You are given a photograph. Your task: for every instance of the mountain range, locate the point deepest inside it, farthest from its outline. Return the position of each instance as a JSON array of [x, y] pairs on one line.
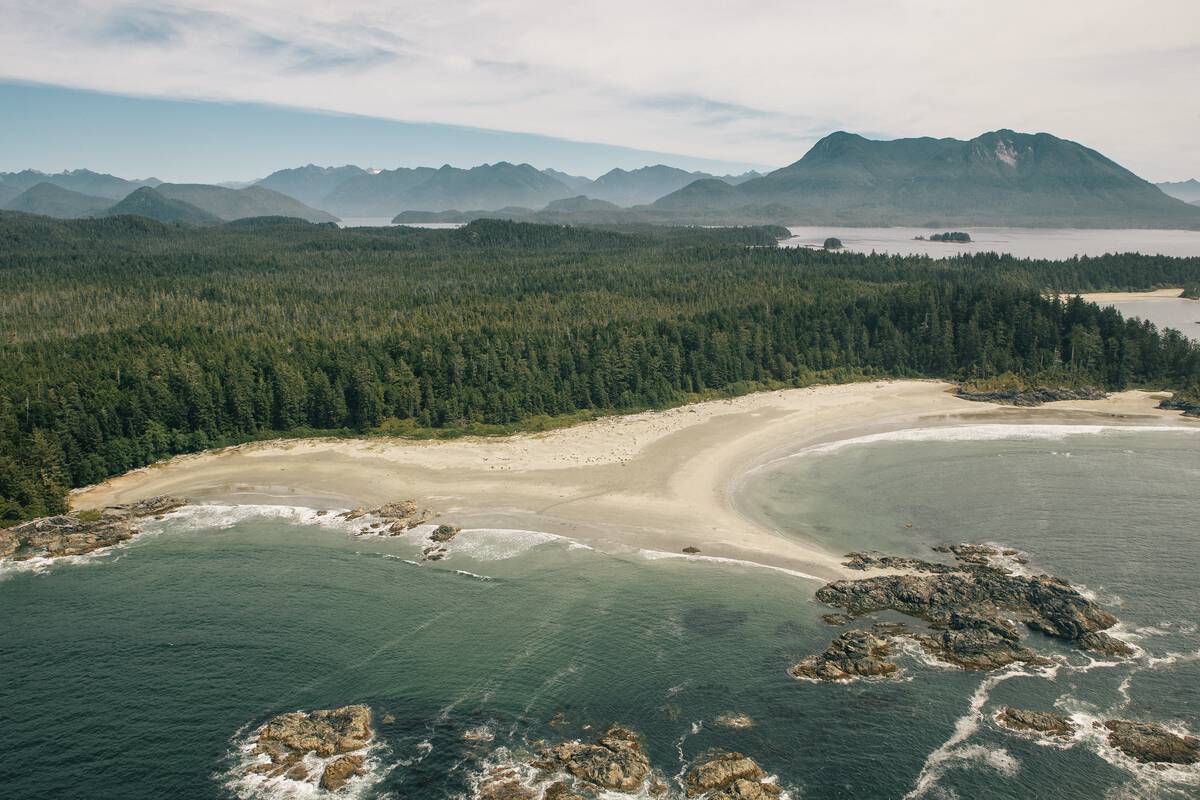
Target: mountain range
[[63, 195], [1000, 178], [352, 191]]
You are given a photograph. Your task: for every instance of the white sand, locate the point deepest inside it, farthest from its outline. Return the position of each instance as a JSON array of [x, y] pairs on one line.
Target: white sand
[[658, 480], [1106, 298]]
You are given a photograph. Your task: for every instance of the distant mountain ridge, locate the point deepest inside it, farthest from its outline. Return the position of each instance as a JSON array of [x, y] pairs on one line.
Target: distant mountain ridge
[[998, 178], [84, 181], [231, 204], [351, 191], [51, 200], [1188, 191], [152, 204]]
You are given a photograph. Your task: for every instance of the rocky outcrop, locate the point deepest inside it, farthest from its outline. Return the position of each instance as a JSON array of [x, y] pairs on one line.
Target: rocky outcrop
[[967, 604], [285, 740], [81, 532], [1035, 396], [1045, 723], [444, 533], [691, 550], [729, 776], [1189, 405], [396, 517], [1151, 743], [1046, 603], [978, 641], [615, 762], [854, 654]]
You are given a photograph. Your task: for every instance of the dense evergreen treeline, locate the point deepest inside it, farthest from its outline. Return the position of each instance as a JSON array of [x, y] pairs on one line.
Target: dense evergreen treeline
[[125, 341]]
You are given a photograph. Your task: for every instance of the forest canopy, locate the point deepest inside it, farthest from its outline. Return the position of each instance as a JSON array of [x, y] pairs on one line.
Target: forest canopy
[[125, 341]]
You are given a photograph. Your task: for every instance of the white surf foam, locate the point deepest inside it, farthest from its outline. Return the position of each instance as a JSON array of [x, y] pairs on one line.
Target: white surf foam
[[955, 750], [247, 785], [656, 555]]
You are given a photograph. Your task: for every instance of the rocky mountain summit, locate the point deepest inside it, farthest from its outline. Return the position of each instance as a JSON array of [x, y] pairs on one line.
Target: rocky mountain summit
[[81, 532], [337, 737], [968, 605]]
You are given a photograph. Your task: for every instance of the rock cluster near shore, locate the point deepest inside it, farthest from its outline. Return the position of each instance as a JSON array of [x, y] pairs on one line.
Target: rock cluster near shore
[[1044, 723], [967, 605], [617, 762], [395, 518], [1150, 743], [1034, 396], [1146, 742], [81, 532], [337, 736]]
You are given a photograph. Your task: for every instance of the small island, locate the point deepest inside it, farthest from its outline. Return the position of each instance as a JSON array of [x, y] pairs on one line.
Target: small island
[[1191, 292], [833, 243], [948, 236]]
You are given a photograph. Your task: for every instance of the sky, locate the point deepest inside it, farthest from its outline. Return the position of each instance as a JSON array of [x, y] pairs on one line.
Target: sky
[[249, 86]]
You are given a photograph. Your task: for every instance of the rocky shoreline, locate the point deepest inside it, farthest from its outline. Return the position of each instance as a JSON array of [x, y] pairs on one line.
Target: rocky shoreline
[[968, 606], [1033, 396], [81, 532]]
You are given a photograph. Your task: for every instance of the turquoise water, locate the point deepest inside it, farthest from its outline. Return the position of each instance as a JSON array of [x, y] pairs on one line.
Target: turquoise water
[[137, 673]]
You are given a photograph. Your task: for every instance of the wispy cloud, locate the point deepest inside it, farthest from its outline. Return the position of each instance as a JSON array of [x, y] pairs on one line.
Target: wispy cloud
[[706, 79]]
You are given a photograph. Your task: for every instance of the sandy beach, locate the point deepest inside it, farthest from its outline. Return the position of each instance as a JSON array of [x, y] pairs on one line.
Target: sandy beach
[[1104, 298], [658, 480]]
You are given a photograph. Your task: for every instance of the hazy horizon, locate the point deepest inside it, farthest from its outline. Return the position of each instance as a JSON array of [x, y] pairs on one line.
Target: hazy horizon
[[221, 91]]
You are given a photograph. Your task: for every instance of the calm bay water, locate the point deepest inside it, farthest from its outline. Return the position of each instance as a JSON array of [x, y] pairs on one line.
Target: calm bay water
[[1056, 243], [1165, 312], [133, 674]]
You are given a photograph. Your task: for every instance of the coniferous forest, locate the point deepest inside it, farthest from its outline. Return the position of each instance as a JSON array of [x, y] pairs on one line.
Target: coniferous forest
[[125, 341]]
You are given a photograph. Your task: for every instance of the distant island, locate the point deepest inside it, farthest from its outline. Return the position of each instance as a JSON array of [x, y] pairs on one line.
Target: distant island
[[1191, 292], [949, 236], [833, 243]]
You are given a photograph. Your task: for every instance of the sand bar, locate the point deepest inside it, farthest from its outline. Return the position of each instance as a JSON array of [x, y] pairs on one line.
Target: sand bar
[[659, 480]]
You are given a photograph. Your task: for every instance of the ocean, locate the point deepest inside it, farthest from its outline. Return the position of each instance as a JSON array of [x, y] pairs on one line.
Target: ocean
[[140, 671]]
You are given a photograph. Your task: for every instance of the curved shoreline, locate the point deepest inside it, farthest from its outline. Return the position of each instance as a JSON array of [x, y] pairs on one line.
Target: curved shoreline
[[659, 480]]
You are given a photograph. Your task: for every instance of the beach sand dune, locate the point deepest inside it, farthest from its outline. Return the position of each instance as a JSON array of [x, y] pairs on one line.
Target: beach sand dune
[[660, 480]]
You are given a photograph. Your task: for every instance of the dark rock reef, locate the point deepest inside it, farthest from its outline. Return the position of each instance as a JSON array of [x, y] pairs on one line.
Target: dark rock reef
[[81, 532], [854, 654], [1151, 743], [337, 734], [967, 604], [1045, 723]]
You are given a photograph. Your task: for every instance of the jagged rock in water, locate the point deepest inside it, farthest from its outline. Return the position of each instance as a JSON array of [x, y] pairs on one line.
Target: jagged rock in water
[[870, 559], [616, 761], [339, 771], [976, 641], [691, 550], [729, 776], [287, 738], [854, 654], [1100, 642], [444, 533], [503, 782], [1152, 743], [81, 532], [1046, 603], [560, 791], [1046, 723], [836, 619]]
